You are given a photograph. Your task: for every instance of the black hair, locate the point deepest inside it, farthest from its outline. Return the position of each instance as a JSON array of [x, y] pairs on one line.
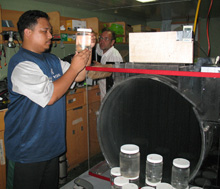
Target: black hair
[[112, 32], [29, 20]]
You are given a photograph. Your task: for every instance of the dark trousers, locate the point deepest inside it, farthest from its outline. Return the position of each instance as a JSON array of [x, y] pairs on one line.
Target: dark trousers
[[41, 175]]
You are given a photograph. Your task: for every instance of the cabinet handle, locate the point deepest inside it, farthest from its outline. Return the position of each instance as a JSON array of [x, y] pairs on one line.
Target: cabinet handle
[[78, 108], [76, 121], [71, 100]]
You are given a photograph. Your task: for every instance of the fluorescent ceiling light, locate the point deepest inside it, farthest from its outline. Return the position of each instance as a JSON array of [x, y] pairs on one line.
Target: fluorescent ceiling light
[[146, 1]]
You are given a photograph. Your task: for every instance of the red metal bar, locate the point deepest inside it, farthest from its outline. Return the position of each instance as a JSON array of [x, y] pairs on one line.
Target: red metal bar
[[155, 72]]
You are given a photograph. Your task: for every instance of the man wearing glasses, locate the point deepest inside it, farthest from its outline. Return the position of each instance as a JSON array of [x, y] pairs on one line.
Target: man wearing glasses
[[105, 49]]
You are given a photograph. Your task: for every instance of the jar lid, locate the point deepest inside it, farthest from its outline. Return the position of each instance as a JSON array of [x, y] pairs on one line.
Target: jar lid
[[129, 149], [133, 178], [120, 181], [195, 187], [154, 158], [116, 171], [130, 186], [163, 185], [181, 163], [84, 29]]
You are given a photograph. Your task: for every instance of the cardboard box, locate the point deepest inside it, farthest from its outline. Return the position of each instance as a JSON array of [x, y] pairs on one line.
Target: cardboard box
[[71, 37], [143, 28], [138, 28], [72, 25], [159, 47]]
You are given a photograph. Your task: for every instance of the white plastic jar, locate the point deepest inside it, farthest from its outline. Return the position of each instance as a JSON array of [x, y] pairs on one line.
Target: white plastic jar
[[154, 168], [115, 172], [120, 181], [147, 187], [163, 185], [130, 161], [83, 39], [134, 180], [130, 186], [180, 173]]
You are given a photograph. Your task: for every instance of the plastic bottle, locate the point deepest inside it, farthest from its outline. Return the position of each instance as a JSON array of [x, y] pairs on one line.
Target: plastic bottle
[[154, 168], [83, 39], [130, 161], [180, 173]]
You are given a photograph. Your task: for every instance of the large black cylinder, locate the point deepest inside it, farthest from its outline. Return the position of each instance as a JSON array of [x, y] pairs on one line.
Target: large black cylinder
[[150, 112]]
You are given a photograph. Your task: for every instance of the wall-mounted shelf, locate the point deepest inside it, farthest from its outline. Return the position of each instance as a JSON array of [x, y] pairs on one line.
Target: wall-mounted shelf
[[13, 16], [57, 20]]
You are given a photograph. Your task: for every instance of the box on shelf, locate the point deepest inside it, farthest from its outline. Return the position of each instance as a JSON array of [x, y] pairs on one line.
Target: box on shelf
[[149, 29], [128, 29], [138, 28], [143, 28], [72, 25], [71, 37], [64, 36]]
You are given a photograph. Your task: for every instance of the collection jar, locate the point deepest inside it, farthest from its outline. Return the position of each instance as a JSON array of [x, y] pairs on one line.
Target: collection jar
[[115, 172], [154, 168], [134, 180], [120, 181], [130, 161], [180, 173], [83, 39], [164, 185], [130, 186]]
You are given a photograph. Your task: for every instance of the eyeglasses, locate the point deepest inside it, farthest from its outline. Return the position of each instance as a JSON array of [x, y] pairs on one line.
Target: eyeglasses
[[104, 38]]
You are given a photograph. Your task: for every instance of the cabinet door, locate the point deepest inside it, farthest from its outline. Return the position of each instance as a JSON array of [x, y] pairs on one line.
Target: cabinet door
[[2, 151], [83, 142], [94, 147], [94, 94], [76, 136], [75, 100], [2, 162], [71, 141], [2, 123]]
